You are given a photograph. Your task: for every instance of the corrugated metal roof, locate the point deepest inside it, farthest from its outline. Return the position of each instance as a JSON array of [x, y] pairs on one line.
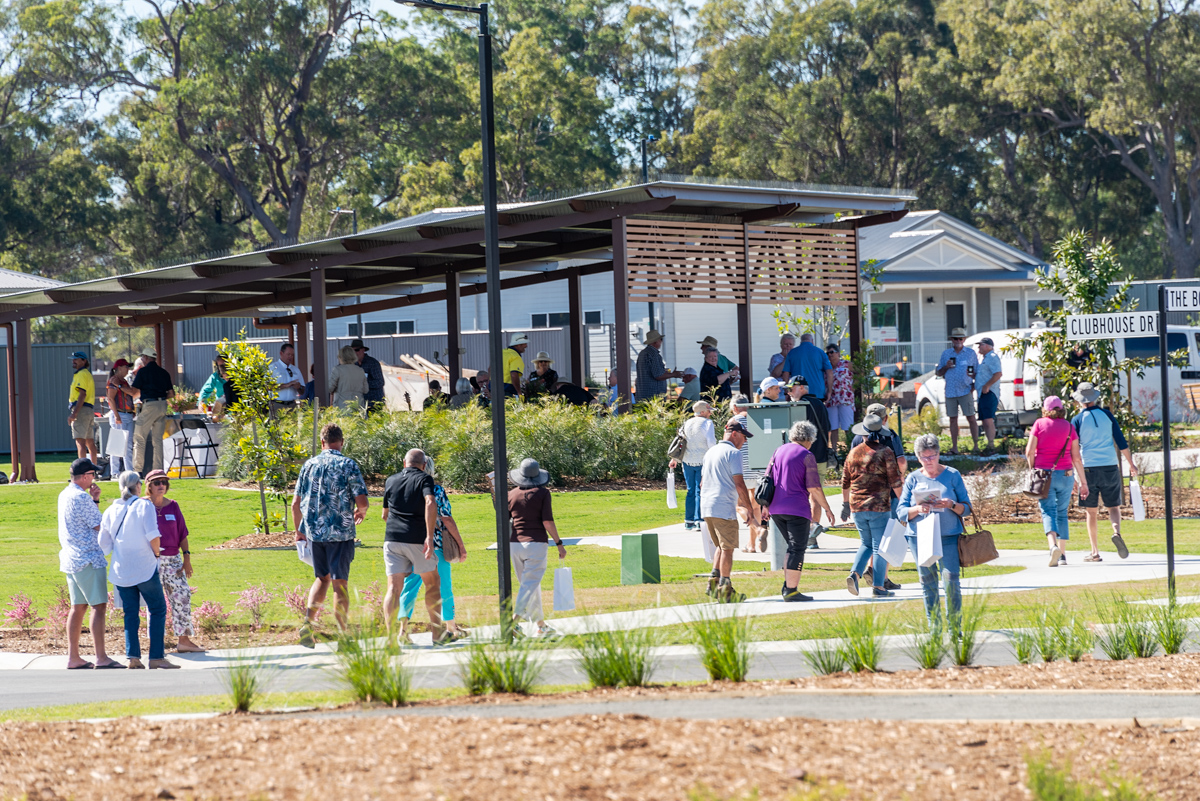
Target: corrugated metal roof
[[13, 281]]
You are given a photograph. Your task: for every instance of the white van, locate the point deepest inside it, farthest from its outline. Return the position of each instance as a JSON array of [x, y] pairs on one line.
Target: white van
[[1020, 387]]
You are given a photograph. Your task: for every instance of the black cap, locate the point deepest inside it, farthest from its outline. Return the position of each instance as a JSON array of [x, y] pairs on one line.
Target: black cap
[[735, 426], [798, 381], [81, 466]]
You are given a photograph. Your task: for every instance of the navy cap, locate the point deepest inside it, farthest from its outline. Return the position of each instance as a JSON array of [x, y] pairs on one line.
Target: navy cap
[[80, 355]]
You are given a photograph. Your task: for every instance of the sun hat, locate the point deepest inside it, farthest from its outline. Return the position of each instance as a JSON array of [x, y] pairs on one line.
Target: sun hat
[[150, 353], [79, 355], [542, 356], [529, 475], [1086, 393], [735, 426], [707, 341], [652, 336], [357, 344], [958, 332], [870, 424], [769, 382], [518, 339], [82, 466], [1052, 402]]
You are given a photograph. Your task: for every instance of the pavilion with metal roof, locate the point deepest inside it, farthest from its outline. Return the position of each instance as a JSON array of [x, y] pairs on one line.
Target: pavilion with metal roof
[[675, 239]]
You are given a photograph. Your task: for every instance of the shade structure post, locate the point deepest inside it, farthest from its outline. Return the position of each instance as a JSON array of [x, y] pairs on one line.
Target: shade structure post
[[168, 354], [743, 320], [301, 341], [10, 358], [621, 301], [158, 342], [319, 335], [453, 330], [24, 401], [575, 313], [854, 321]]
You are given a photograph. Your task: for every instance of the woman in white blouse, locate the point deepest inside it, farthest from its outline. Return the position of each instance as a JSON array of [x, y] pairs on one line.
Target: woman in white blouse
[[700, 435], [129, 534]]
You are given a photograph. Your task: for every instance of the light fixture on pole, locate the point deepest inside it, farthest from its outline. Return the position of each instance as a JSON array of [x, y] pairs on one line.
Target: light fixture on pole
[[491, 251]]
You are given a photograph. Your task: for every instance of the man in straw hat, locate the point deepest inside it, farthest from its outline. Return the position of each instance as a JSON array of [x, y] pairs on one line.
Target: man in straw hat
[[529, 543], [957, 366], [1101, 443], [652, 372], [722, 491], [514, 364], [543, 377]]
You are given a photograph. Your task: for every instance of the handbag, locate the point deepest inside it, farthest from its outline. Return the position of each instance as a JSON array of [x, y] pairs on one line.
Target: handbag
[[765, 492], [1039, 477], [450, 550], [978, 548], [678, 445]]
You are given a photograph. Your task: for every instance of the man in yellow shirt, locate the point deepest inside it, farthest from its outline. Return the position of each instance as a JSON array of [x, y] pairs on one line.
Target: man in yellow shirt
[[81, 402], [514, 364]]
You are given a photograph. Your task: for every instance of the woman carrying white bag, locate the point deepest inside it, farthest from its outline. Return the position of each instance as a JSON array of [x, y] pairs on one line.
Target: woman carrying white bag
[[936, 495]]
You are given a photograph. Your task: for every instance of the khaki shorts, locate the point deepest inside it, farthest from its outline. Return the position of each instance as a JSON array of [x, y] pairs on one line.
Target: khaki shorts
[[401, 558], [82, 428], [724, 533], [962, 405]]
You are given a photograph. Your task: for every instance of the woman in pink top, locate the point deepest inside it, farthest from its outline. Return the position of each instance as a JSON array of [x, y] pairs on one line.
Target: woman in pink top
[[174, 560], [1053, 445]]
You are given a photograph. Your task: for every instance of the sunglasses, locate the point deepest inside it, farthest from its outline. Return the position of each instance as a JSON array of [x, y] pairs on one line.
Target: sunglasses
[[159, 482]]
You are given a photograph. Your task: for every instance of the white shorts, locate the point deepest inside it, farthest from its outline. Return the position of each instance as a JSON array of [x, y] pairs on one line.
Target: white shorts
[[840, 417]]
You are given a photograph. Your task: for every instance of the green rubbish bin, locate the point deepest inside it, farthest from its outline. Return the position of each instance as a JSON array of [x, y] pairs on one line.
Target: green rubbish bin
[[639, 559]]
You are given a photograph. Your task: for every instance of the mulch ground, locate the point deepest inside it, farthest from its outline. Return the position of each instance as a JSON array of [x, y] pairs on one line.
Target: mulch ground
[[591, 757], [276, 539]]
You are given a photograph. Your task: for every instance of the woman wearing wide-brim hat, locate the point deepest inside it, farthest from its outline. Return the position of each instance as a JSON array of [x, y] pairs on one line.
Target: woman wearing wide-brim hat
[[529, 543], [542, 378]]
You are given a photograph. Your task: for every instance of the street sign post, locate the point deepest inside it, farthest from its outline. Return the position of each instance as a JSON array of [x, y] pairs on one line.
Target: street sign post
[[1164, 298]]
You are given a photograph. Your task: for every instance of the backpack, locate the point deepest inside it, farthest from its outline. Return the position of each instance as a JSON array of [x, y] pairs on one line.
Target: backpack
[[678, 445]]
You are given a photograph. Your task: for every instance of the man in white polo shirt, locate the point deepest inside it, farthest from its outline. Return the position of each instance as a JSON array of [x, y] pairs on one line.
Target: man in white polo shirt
[[289, 378]]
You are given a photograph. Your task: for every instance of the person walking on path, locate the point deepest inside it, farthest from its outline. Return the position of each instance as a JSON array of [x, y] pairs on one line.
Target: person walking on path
[[722, 492], [445, 528], [957, 366], [129, 533], [951, 504], [374, 371], [894, 440], [81, 406], [870, 479], [841, 396], [987, 379], [410, 518], [712, 379], [348, 385], [775, 366], [811, 362], [120, 409], [1101, 444], [153, 385], [514, 365], [798, 495], [1054, 445], [174, 560], [652, 372], [329, 501], [739, 407], [533, 528], [83, 561], [700, 434]]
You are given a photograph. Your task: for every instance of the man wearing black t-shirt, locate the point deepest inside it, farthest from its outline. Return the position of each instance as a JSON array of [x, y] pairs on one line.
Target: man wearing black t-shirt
[[153, 385], [410, 515]]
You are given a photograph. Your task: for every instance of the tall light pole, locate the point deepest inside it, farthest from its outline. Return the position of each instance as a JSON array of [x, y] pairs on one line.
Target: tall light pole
[[491, 242]]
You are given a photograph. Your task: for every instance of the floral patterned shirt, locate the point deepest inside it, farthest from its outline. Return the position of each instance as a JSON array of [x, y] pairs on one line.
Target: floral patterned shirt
[[78, 519], [843, 386], [443, 509], [328, 485]]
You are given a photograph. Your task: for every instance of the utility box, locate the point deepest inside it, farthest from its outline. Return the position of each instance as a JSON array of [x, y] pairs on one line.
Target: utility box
[[769, 423], [639, 559]]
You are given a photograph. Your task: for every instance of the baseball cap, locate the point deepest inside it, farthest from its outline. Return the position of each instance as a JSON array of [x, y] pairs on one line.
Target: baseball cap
[[79, 355], [1052, 402], [769, 382], [150, 353], [690, 371], [120, 363], [797, 381], [735, 426], [81, 466], [987, 341]]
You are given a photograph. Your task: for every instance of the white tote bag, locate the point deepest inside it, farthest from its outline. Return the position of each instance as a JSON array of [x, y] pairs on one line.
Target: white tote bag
[[672, 503], [564, 589], [304, 551], [1135, 500], [893, 547], [929, 540]]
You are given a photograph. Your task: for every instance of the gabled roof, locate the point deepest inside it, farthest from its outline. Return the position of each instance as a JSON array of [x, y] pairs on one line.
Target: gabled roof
[[13, 281], [894, 243]]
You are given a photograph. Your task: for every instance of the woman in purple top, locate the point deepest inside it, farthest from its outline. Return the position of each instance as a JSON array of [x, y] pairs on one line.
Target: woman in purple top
[[174, 560], [798, 491], [1054, 445]]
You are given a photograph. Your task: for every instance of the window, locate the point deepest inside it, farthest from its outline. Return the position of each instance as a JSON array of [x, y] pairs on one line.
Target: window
[[1012, 314], [1147, 347], [1036, 307], [562, 319], [384, 328], [896, 316]]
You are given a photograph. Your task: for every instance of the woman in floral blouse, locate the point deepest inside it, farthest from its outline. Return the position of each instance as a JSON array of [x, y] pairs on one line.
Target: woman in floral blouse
[[174, 560], [841, 396]]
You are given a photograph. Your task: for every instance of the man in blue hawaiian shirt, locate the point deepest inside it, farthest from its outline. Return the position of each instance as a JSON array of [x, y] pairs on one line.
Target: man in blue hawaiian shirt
[[330, 500], [957, 365]]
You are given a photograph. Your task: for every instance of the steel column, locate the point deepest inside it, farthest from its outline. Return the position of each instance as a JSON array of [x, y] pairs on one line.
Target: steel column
[[13, 440], [743, 321], [319, 357], [306, 364], [453, 331], [168, 354], [24, 346], [621, 301], [575, 308], [854, 321]]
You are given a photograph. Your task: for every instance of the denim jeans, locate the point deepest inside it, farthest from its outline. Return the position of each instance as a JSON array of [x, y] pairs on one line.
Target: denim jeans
[[156, 603], [871, 526], [412, 585], [1056, 505], [691, 505], [949, 568]]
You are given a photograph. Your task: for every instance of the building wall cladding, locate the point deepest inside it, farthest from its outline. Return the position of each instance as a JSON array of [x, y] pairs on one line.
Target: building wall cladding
[[51, 378]]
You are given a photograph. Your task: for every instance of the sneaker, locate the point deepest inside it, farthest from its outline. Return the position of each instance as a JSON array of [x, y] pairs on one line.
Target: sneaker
[[1063, 560], [306, 637], [1055, 556], [547, 633], [868, 575], [888, 584], [852, 584], [793, 595], [1122, 551], [878, 593]]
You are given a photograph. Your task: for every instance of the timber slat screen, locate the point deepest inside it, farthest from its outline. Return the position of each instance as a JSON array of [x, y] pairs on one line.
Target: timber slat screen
[[678, 262]]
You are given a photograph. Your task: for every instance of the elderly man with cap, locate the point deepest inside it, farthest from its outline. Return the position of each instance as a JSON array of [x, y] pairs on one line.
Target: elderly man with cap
[[987, 381], [817, 414], [691, 385], [1101, 444], [769, 390], [81, 401], [957, 366], [435, 396], [723, 363], [374, 371], [722, 491], [529, 543], [154, 387], [652, 372]]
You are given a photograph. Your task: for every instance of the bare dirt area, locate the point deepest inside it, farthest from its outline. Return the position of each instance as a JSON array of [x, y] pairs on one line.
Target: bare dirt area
[[276, 540], [586, 757]]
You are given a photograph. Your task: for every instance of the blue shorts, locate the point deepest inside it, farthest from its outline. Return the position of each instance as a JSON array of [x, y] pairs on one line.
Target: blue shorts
[[988, 403], [333, 559]]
